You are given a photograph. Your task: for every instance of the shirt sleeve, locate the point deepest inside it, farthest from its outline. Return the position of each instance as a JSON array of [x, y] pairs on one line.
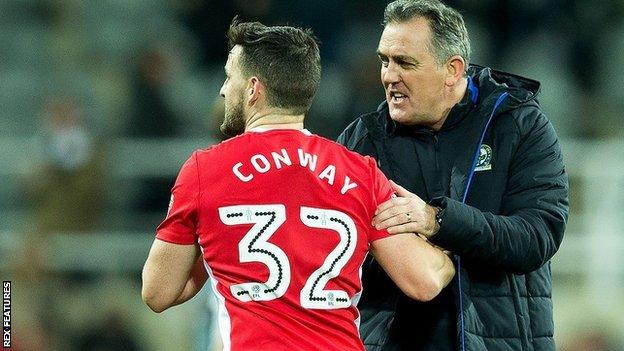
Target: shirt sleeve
[[180, 224], [382, 192]]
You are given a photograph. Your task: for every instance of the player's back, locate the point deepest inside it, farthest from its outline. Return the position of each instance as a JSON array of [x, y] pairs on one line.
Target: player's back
[[284, 222]]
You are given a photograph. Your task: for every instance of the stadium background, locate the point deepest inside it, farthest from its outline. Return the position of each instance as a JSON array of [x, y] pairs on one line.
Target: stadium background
[[102, 101]]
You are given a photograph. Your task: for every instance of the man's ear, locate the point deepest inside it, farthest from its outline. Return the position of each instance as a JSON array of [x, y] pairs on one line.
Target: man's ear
[[455, 69], [255, 89]]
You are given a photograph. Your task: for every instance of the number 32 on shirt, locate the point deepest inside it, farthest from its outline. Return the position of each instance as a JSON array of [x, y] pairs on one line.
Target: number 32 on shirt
[[254, 247]]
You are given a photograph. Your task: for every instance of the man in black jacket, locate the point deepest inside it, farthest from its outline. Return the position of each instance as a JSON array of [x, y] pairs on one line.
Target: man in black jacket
[[483, 177]]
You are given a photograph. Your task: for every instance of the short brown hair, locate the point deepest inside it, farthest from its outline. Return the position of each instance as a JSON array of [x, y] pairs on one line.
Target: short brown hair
[[286, 60], [449, 34]]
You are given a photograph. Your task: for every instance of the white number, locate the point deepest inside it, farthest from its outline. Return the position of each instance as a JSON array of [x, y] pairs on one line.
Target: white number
[[312, 294], [254, 247]]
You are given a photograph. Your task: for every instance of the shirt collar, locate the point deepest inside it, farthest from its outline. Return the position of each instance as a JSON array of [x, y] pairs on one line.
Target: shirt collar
[[262, 130]]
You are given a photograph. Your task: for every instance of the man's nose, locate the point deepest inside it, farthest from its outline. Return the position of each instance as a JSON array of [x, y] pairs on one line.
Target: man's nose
[[391, 74]]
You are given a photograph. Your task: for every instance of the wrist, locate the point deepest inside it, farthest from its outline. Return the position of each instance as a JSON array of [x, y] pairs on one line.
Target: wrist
[[436, 220]]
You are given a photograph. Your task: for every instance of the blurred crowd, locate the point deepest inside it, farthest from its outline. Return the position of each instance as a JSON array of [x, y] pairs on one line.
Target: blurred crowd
[[79, 77]]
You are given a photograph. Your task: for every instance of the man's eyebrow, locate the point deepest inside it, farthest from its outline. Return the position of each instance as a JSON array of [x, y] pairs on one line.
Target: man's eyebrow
[[404, 58], [398, 58]]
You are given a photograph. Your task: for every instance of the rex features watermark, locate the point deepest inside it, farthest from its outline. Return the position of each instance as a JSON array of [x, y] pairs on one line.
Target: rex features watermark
[[6, 314]]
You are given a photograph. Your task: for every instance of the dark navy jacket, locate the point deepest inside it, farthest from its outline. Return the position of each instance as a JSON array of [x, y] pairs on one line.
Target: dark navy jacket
[[504, 193]]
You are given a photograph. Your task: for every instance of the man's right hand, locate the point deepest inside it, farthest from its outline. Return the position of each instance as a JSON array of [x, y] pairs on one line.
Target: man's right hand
[[406, 213]]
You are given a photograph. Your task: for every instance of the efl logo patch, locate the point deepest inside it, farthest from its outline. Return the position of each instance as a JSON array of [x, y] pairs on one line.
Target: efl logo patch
[[484, 163]]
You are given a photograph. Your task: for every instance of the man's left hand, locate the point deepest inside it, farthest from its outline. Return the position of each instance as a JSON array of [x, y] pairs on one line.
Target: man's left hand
[[406, 213]]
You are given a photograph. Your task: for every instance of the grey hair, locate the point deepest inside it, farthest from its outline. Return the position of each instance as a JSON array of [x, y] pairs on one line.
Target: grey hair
[[449, 33]]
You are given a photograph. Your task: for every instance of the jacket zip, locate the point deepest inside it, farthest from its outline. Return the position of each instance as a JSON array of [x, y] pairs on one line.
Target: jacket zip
[[462, 333]]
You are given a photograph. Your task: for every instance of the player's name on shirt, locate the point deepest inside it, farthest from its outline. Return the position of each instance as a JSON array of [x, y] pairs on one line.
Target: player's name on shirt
[[260, 163]]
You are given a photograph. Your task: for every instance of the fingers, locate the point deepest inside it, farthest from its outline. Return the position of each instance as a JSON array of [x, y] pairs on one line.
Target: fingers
[[395, 201], [401, 191], [397, 219], [406, 228], [405, 197], [403, 214], [394, 210]]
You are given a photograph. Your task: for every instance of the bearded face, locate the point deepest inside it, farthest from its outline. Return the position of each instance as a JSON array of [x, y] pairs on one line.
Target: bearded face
[[234, 120], [233, 91]]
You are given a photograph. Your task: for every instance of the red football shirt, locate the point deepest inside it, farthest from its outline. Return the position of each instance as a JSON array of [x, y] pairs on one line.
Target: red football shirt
[[284, 221]]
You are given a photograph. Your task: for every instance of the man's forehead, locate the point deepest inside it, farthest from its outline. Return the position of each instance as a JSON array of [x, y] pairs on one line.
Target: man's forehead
[[233, 56], [405, 36], [236, 49]]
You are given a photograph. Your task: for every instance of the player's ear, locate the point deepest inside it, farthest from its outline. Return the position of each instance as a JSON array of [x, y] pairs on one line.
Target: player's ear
[[255, 89], [455, 67]]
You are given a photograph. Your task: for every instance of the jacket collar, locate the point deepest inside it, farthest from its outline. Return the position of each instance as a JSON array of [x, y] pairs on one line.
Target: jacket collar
[[485, 87]]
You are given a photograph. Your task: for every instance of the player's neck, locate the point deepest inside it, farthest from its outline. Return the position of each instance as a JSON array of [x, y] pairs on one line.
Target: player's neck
[[276, 126], [275, 119]]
